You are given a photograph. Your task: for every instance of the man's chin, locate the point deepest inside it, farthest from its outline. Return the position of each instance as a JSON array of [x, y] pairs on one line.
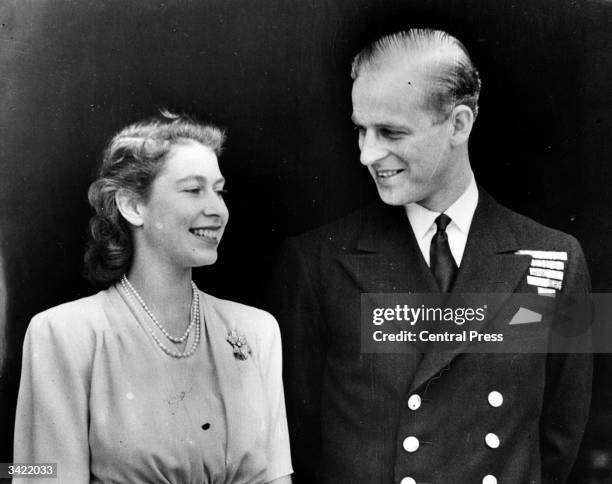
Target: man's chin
[[394, 198]]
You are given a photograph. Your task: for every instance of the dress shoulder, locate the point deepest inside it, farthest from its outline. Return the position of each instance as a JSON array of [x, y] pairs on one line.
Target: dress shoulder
[[239, 312], [259, 326], [72, 322]]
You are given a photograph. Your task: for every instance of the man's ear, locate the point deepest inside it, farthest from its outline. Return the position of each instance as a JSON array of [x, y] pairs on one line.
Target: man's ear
[[130, 207], [462, 120]]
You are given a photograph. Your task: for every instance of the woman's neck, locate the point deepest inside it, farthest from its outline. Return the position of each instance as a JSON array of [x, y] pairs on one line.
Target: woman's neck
[[165, 290]]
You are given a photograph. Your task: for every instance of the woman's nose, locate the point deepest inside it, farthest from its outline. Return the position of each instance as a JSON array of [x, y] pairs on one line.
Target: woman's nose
[[214, 206]]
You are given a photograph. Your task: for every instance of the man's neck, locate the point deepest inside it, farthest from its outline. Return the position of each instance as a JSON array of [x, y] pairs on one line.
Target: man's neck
[[439, 202]]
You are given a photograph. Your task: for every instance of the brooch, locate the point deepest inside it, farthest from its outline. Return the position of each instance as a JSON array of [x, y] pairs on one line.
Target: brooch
[[239, 343]]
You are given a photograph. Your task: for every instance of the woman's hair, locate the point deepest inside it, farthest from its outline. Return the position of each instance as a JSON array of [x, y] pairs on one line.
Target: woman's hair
[[131, 161]]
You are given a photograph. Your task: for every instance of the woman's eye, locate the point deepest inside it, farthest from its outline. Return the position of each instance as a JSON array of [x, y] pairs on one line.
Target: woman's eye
[[222, 192], [194, 190]]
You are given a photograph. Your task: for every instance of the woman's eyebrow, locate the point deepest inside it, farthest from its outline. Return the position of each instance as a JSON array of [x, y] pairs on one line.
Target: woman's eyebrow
[[199, 178]]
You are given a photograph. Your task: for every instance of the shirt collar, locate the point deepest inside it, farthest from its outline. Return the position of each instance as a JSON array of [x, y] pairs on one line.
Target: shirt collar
[[461, 212]]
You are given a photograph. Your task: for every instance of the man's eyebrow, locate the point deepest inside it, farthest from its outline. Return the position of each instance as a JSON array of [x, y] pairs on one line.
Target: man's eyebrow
[[390, 126], [380, 125]]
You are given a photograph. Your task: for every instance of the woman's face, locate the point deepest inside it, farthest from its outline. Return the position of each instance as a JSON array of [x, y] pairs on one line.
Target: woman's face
[[184, 217]]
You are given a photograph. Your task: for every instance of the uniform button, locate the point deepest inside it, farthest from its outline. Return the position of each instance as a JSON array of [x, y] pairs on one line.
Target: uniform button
[[496, 399], [490, 479], [407, 480], [492, 441], [414, 402], [411, 444]]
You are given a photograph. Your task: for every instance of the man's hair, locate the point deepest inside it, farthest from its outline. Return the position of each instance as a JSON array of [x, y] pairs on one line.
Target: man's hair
[[455, 80], [132, 160]]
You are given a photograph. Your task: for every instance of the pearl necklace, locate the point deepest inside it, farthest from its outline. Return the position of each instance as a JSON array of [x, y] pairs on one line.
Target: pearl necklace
[[128, 285], [194, 321]]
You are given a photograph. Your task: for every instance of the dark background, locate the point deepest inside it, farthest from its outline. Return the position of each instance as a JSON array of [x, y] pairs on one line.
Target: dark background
[[275, 73]]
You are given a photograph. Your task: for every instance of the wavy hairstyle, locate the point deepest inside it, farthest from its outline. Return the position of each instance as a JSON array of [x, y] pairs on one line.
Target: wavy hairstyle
[[132, 160]]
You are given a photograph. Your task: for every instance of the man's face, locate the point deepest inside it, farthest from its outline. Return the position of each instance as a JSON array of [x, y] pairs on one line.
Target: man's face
[[406, 153]]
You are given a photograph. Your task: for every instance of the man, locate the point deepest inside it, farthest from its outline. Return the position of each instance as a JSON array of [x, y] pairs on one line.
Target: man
[[435, 417]]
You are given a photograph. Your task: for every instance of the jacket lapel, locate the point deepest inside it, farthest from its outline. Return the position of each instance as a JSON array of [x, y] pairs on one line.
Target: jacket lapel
[[388, 258], [489, 265]]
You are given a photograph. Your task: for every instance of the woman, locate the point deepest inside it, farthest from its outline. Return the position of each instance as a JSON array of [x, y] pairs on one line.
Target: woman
[[151, 380]]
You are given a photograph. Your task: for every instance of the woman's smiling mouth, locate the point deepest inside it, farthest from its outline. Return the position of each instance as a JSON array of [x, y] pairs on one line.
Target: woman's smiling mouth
[[211, 235]]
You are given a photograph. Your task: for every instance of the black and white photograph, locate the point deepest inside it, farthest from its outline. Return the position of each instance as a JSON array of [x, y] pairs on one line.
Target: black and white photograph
[[308, 241]]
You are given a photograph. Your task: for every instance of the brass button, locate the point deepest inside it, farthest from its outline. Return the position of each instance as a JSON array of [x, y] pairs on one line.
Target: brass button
[[414, 402], [492, 441], [411, 444], [496, 399]]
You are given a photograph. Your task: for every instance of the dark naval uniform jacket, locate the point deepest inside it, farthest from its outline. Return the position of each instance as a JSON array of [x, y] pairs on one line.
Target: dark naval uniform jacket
[[437, 418]]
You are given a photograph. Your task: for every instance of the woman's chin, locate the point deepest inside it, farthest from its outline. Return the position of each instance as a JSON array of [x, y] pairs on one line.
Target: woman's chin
[[205, 260]]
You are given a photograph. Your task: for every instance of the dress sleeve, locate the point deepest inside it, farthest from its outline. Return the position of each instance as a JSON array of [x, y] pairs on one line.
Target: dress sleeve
[[52, 409], [278, 453]]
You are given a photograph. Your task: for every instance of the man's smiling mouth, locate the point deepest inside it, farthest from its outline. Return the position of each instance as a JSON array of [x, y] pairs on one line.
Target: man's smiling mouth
[[387, 173]]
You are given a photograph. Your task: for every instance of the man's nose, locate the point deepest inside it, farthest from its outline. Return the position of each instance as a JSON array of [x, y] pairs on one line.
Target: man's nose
[[371, 149]]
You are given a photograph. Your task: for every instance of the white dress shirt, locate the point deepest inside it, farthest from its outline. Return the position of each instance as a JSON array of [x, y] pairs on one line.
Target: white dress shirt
[[461, 213]]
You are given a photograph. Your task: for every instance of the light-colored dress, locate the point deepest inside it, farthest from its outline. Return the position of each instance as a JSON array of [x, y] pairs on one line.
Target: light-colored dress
[[103, 401]]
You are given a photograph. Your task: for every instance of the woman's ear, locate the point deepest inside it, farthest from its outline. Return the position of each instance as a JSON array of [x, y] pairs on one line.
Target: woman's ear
[[129, 206]]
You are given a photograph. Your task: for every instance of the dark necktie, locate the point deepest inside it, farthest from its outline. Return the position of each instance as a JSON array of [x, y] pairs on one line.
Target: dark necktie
[[441, 259]]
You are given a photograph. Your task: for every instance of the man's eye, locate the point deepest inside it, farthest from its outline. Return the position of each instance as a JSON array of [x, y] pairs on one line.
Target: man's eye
[[391, 134], [194, 190], [221, 192]]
